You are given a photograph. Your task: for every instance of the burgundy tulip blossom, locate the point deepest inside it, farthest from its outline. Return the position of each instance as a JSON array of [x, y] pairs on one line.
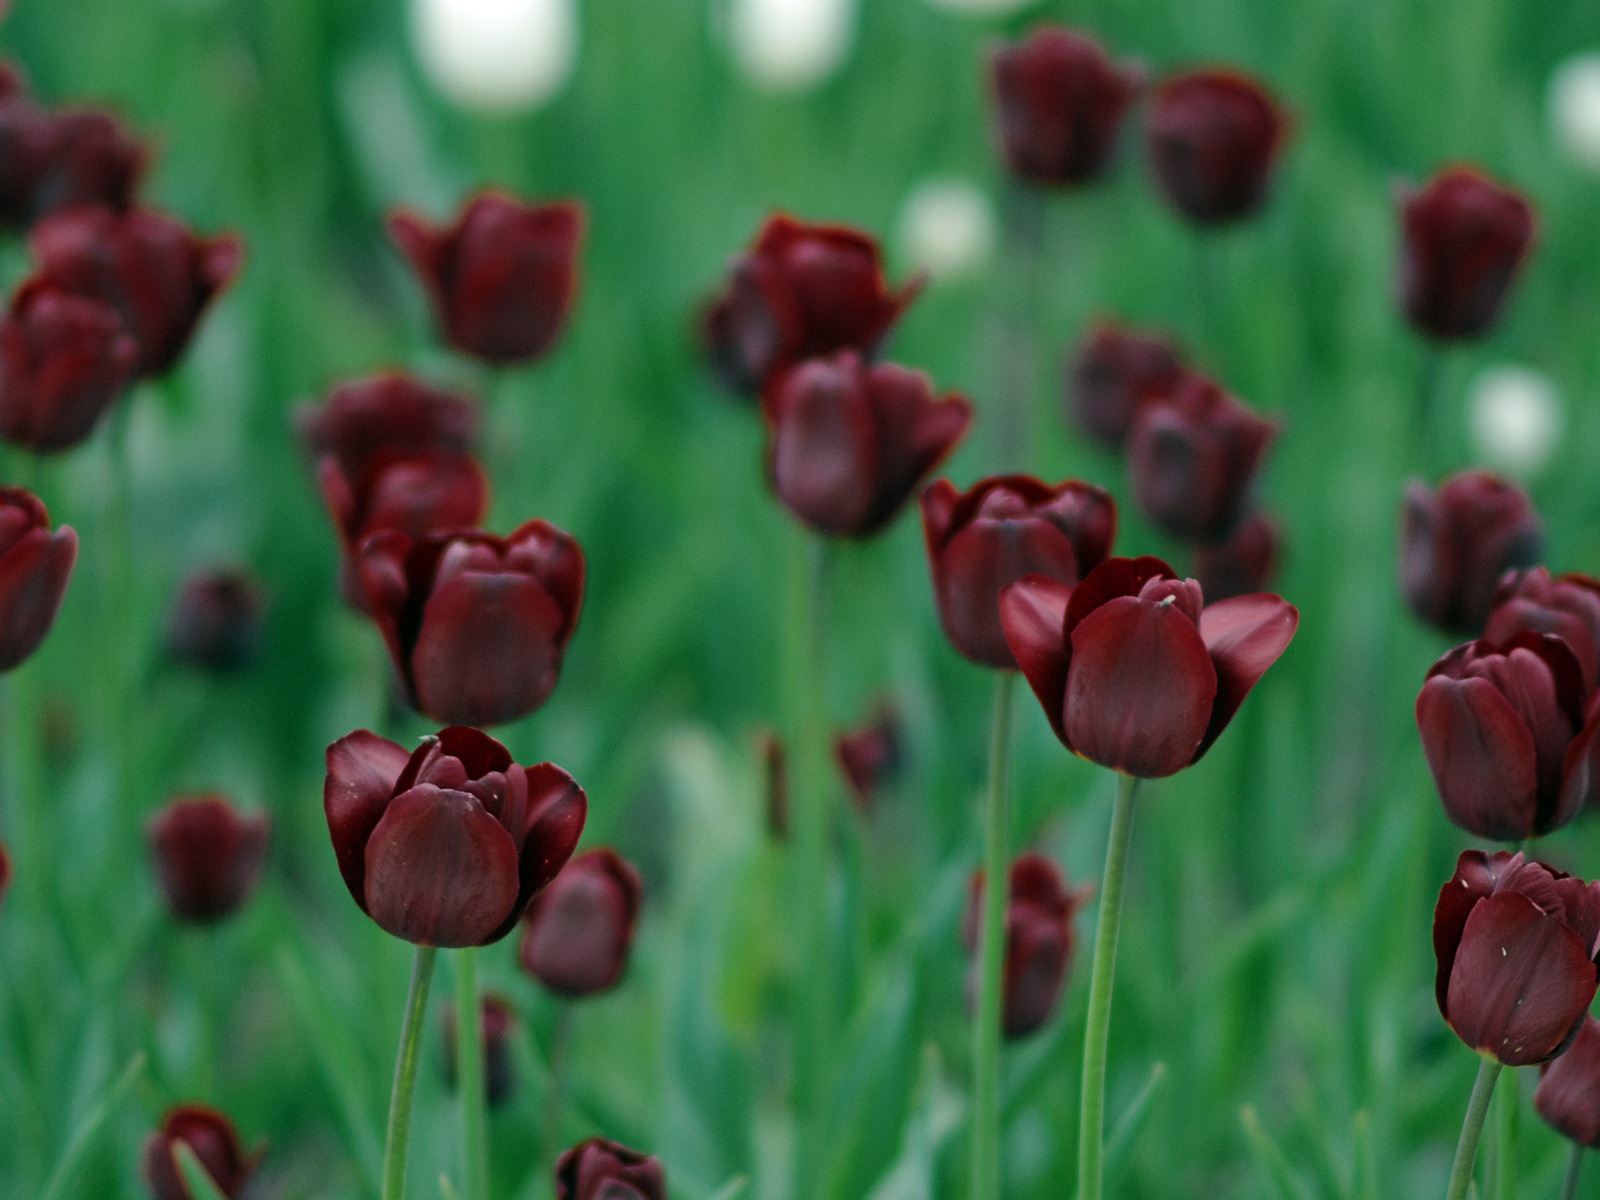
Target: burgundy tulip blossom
[[390, 412], [1113, 374], [870, 757], [476, 625], [496, 1020], [87, 157], [35, 566], [1039, 941], [1464, 239], [602, 1170], [1568, 1095], [1003, 528], [1193, 457], [1516, 944], [1213, 138], [502, 277], [215, 621], [157, 273], [64, 360], [578, 931], [1133, 670], [1566, 606], [1059, 104], [1458, 542], [1245, 563], [208, 856], [212, 1139], [446, 845], [847, 443], [801, 291]]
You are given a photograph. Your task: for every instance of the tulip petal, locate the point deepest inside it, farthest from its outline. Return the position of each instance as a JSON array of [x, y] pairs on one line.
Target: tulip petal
[[1482, 756], [1245, 636], [825, 455], [1032, 612], [1112, 578], [33, 582], [1566, 1094], [938, 502], [362, 770], [1477, 875]]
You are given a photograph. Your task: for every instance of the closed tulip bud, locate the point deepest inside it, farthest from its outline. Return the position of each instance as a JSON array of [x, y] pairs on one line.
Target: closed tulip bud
[[446, 846], [35, 565], [89, 158], [1567, 607], [1006, 527], [215, 621], [1515, 943], [64, 360], [1059, 104], [495, 1024], [1113, 375], [578, 931], [1568, 1095], [848, 443], [801, 291], [1039, 911], [476, 625], [1132, 671], [210, 1136], [157, 273], [1245, 563], [386, 413], [870, 757], [502, 277], [602, 1170], [208, 857], [1213, 138], [1464, 239], [1193, 456], [1456, 544]]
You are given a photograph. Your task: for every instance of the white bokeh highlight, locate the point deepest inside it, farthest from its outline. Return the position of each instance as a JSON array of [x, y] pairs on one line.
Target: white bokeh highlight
[[1516, 419], [791, 45], [1575, 109], [982, 8], [947, 227], [496, 56]]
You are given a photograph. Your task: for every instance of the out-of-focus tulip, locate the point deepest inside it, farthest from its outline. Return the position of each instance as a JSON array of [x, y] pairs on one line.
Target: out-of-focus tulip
[[1112, 375], [1464, 239], [24, 141], [210, 1136], [1575, 109], [446, 845], [64, 360], [1059, 103], [1213, 138], [1245, 563], [496, 1020], [1039, 911], [155, 271], [947, 228], [1193, 456], [1568, 1095], [1516, 943], [1517, 420], [35, 565], [1456, 544], [602, 1170], [387, 412], [1006, 527], [89, 157], [502, 277], [1132, 672], [496, 56], [578, 931], [791, 45], [215, 620], [848, 443], [801, 291], [5, 871], [870, 756], [476, 625], [775, 782], [1567, 607], [208, 857]]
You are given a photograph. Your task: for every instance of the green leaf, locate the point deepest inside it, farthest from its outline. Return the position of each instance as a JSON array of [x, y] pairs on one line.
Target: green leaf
[[1271, 1159], [201, 1185], [84, 1134]]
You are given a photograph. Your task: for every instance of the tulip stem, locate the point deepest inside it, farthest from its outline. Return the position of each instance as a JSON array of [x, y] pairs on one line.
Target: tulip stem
[[405, 1075], [1092, 1119], [986, 1021], [1569, 1190], [1430, 377], [469, 1076], [1016, 363], [1505, 1158], [1472, 1129], [556, 1098]]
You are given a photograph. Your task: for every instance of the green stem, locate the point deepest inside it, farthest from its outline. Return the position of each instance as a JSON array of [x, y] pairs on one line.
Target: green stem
[[986, 1024], [1016, 363], [1207, 299], [556, 1098], [469, 1077], [405, 1075], [1091, 1129], [121, 597], [1430, 378], [1569, 1190], [1506, 1103], [1472, 1128]]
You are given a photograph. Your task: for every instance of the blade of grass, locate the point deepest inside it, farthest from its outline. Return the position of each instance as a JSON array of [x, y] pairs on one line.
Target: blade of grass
[[1271, 1159], [81, 1138], [201, 1185]]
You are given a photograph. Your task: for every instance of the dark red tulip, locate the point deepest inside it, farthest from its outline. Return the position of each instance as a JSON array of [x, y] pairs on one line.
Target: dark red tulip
[[870, 757], [502, 277], [579, 929], [602, 1170], [1132, 672], [1464, 239], [1245, 563], [156, 272], [1193, 456], [1039, 911], [1059, 104], [24, 144], [495, 1023], [1568, 1095], [88, 157], [476, 625], [35, 565], [1112, 375], [446, 845], [64, 360], [1456, 544], [210, 1136], [1213, 138], [390, 412], [215, 620], [208, 856], [775, 783], [1003, 528], [847, 443], [1567, 607], [801, 291], [1516, 943]]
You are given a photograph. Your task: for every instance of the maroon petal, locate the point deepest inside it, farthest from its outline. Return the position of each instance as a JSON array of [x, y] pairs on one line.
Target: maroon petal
[[826, 457], [1568, 1096], [938, 502], [557, 809], [1245, 636], [425, 247], [362, 770], [1580, 777], [1482, 756], [1477, 875], [1032, 613], [33, 582], [1112, 578]]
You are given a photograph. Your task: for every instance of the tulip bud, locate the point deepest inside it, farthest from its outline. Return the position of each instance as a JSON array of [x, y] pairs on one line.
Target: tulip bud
[[870, 757], [1213, 137], [1464, 239], [1517, 420], [1568, 1095], [1567, 607], [211, 1138], [579, 929], [495, 1023], [502, 278], [35, 565], [947, 228], [207, 857], [847, 443], [1457, 542], [602, 1170], [496, 56], [1111, 377], [1245, 563], [1515, 943], [1039, 911], [215, 621], [387, 412], [1575, 109], [89, 158], [791, 45]]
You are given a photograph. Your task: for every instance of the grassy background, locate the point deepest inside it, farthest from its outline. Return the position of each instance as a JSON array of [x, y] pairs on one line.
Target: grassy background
[[1276, 951]]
